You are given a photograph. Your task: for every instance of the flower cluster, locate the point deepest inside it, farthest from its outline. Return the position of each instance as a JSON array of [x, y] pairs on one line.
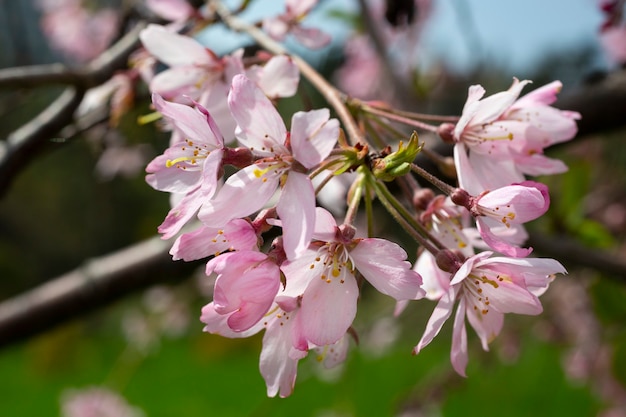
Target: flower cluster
[[237, 174]]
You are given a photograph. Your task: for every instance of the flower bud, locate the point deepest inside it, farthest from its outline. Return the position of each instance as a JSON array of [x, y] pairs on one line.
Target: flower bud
[[449, 260], [422, 197], [462, 198], [446, 132], [397, 163]]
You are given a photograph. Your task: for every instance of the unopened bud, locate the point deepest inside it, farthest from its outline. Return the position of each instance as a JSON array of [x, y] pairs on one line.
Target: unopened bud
[[462, 198], [449, 260], [446, 132], [422, 197]]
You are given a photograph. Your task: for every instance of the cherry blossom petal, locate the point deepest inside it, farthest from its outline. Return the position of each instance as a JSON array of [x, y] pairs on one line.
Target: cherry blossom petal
[[175, 50], [498, 242], [335, 354], [238, 234], [442, 312], [180, 214], [478, 172], [495, 105], [299, 8], [313, 136], [515, 204], [196, 124], [383, 264], [247, 188], [537, 273], [538, 164], [312, 38], [260, 127], [467, 267], [215, 100], [217, 324], [507, 295], [325, 225], [174, 10], [487, 326], [435, 282], [328, 308], [276, 28], [180, 81], [246, 286], [296, 208], [279, 77], [171, 179], [544, 95], [299, 274], [279, 360], [458, 353]]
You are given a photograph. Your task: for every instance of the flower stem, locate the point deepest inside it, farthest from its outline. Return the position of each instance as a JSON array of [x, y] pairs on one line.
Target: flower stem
[[444, 187], [353, 204], [399, 118], [412, 115], [416, 230]]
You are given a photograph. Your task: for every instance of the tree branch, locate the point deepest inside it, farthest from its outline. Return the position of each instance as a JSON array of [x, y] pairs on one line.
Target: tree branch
[[25, 143], [573, 254], [91, 75], [95, 284], [29, 140], [602, 104]]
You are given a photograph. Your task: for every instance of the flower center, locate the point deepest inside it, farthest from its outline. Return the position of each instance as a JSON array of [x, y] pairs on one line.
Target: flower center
[[192, 153]]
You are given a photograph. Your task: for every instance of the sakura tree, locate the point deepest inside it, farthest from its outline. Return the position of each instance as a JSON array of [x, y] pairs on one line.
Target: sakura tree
[[296, 213]]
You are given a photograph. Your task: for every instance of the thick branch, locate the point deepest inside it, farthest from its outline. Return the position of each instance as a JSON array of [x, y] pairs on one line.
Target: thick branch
[[97, 283], [25, 143], [29, 140], [95, 73], [602, 104], [573, 254]]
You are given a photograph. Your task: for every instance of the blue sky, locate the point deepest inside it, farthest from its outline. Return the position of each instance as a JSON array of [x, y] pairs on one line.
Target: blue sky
[[515, 35]]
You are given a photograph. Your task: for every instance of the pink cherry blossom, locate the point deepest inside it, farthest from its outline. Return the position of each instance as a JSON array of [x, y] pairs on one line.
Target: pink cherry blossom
[[247, 282], [173, 10], [509, 206], [78, 33], [324, 278], [501, 138], [191, 166], [289, 22], [238, 234], [283, 347], [547, 126], [196, 73], [96, 401], [613, 41], [260, 128], [486, 288], [193, 67], [283, 344]]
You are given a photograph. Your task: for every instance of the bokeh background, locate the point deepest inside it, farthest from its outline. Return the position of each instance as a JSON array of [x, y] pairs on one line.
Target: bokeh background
[[87, 197]]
